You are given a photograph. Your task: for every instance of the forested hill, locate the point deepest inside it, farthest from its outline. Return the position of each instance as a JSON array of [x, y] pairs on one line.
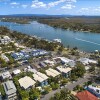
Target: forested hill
[[91, 24]]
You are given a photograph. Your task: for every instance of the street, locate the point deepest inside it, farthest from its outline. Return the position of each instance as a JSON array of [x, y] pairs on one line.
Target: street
[[69, 86]]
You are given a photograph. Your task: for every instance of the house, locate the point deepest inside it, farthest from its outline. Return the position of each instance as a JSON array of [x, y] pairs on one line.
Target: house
[[87, 61], [41, 78], [64, 60], [49, 62], [66, 71], [57, 60], [52, 72], [42, 64], [5, 39], [85, 95], [38, 52], [29, 69], [26, 82], [16, 72], [6, 75], [10, 90], [95, 90], [20, 56], [5, 57], [67, 61]]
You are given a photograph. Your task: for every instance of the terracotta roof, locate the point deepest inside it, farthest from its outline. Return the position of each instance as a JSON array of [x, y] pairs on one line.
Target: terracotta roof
[[85, 95]]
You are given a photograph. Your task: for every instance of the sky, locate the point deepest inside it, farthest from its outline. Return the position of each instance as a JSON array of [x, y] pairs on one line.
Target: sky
[[50, 7]]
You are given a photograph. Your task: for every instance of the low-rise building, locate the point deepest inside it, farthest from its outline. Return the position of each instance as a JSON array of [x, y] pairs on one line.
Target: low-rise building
[[67, 61], [4, 57], [85, 95], [26, 82], [52, 72], [66, 71], [41, 78], [87, 61], [6, 75], [16, 72], [42, 64], [94, 90], [10, 90], [49, 62], [38, 52], [5, 39], [20, 56]]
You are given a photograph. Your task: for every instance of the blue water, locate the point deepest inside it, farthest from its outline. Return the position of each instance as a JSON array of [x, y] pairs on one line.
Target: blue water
[[84, 41]]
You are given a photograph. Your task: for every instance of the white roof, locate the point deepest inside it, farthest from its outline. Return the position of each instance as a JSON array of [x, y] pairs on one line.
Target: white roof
[[32, 70], [86, 61], [40, 77], [95, 88], [52, 72], [49, 73], [64, 59], [64, 69], [5, 57], [6, 37], [9, 87], [26, 82], [49, 62], [6, 75], [17, 71]]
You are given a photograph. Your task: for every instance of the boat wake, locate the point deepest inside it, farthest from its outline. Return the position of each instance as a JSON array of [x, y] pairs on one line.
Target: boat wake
[[87, 41]]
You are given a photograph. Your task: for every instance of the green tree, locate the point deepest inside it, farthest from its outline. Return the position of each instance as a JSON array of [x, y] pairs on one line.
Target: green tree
[[34, 94], [54, 86]]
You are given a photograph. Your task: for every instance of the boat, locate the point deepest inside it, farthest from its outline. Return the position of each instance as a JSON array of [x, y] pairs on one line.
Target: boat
[[57, 40]]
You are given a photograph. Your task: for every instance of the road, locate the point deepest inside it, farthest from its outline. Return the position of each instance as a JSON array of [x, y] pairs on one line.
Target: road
[[70, 86]]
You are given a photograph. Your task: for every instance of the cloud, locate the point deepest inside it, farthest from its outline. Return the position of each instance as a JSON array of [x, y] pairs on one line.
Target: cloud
[[24, 6], [89, 10], [68, 6], [14, 3], [38, 4]]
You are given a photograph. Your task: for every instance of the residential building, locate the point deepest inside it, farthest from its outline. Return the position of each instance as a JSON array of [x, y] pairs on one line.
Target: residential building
[[85, 95], [26, 82], [66, 61], [38, 52], [10, 90], [41, 78], [3, 56], [95, 90], [20, 56], [87, 61], [30, 69], [42, 64], [5, 39], [16, 72], [6, 75], [49, 62], [66, 71], [52, 72]]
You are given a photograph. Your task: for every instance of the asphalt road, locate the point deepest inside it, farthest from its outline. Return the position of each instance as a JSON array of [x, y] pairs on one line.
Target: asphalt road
[[70, 86]]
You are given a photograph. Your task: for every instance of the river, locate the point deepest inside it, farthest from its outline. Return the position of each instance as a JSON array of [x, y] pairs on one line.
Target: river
[[84, 41]]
